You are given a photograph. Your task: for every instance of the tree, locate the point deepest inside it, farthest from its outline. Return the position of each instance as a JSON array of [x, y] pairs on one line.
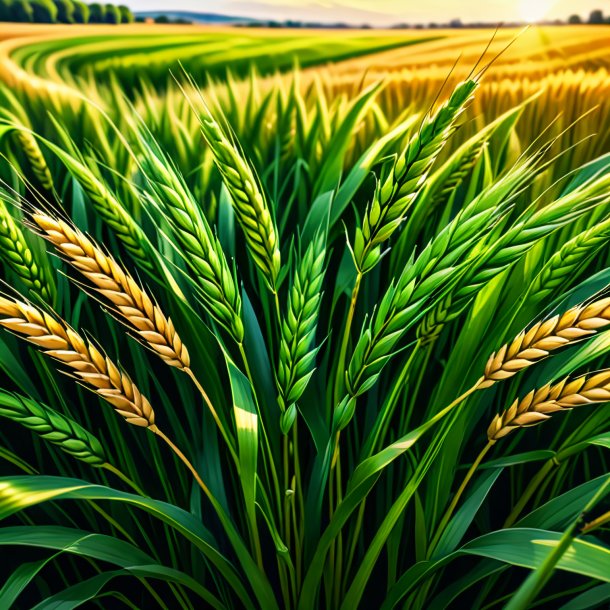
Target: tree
[[574, 20], [96, 13], [126, 15], [65, 11], [44, 11], [5, 10], [112, 14], [81, 12], [161, 19], [22, 11], [596, 17]]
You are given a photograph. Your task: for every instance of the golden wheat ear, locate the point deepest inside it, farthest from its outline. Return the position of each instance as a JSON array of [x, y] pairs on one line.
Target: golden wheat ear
[[121, 291], [95, 370], [126, 298], [538, 405], [86, 363], [531, 346]]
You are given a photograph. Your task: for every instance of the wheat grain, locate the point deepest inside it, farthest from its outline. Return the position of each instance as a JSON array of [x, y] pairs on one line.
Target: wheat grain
[[31, 268], [202, 250], [36, 159], [249, 202], [530, 346], [53, 427], [511, 247], [128, 299], [297, 352], [111, 211], [422, 284], [565, 262], [538, 405], [57, 340], [394, 197]]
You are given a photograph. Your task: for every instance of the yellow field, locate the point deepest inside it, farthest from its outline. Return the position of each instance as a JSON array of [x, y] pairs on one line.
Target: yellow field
[[566, 69], [536, 53]]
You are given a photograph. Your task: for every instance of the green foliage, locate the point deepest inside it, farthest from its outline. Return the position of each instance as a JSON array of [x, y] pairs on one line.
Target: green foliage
[[81, 12], [43, 11], [112, 14], [340, 266], [97, 13], [126, 15], [65, 11], [17, 10]]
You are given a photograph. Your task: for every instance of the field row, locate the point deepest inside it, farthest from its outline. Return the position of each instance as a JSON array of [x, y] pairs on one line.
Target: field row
[[127, 51]]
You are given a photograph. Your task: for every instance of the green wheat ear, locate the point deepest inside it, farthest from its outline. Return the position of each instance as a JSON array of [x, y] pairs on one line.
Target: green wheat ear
[[202, 251], [31, 267], [249, 201], [394, 197], [53, 427], [298, 349]]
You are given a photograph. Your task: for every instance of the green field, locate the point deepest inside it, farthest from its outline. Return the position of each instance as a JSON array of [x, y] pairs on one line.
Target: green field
[[212, 53]]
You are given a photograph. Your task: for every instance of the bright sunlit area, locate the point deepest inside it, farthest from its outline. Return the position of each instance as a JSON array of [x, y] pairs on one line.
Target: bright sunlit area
[[532, 11]]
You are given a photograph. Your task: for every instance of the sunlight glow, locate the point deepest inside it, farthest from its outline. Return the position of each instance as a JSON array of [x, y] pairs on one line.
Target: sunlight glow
[[534, 10]]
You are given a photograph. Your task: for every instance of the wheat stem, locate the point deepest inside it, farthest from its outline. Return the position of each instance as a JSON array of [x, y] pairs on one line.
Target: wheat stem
[[596, 523], [458, 494], [9, 456], [121, 475], [339, 383], [228, 440], [530, 490], [182, 457]]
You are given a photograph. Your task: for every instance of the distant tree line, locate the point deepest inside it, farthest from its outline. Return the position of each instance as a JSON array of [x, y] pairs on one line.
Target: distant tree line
[[63, 11], [164, 19], [595, 18]]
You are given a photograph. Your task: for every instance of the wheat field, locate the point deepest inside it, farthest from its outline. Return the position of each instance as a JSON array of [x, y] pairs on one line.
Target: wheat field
[[350, 288]]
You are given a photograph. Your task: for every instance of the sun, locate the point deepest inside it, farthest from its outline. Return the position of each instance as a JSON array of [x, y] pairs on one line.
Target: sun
[[534, 10]]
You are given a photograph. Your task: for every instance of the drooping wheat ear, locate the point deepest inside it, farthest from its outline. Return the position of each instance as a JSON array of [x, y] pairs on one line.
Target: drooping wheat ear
[[538, 405], [57, 340], [32, 268], [530, 346], [53, 427], [394, 197], [201, 249], [110, 210], [127, 298], [423, 283], [513, 245], [249, 201], [297, 348], [451, 175], [36, 159], [565, 263]]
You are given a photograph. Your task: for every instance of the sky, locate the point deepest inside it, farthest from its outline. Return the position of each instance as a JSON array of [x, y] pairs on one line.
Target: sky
[[383, 12]]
